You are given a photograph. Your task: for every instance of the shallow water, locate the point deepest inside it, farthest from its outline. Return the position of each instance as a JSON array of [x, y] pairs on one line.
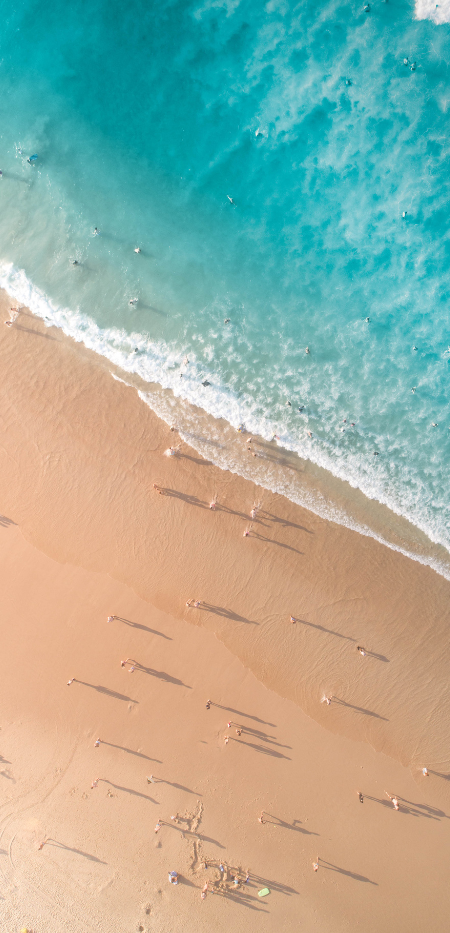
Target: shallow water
[[145, 119]]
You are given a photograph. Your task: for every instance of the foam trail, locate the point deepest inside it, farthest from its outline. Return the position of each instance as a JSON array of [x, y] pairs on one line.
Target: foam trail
[[158, 363]]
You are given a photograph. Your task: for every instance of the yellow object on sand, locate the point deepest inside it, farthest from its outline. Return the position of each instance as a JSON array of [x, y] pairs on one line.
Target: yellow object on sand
[[263, 892]]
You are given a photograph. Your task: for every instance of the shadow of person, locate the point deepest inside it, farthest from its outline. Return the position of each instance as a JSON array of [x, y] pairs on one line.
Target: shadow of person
[[321, 628], [286, 547], [285, 522], [143, 628], [377, 657], [359, 709], [238, 712], [276, 821], [107, 691], [36, 333], [226, 613], [128, 790], [343, 871], [131, 751], [6, 522], [161, 675], [260, 748], [62, 845]]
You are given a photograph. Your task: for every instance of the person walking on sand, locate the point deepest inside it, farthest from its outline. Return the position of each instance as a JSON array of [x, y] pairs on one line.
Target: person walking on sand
[[204, 891], [95, 783], [71, 681], [326, 699], [111, 618], [394, 800], [361, 650], [291, 619], [315, 865], [261, 818], [97, 743], [208, 705], [13, 315], [157, 827], [361, 798], [425, 772]]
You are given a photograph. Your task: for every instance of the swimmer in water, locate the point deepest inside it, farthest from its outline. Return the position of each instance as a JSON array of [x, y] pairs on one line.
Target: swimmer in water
[[133, 301], [96, 232], [137, 249], [230, 199], [306, 349]]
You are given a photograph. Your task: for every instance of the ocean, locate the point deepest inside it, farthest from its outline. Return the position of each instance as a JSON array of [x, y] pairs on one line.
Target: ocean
[[283, 170]]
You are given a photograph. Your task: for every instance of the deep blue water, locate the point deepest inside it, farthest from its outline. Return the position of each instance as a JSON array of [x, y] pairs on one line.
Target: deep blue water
[[146, 116]]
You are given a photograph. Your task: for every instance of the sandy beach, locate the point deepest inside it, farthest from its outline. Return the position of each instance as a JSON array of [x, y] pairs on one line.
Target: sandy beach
[[85, 535]]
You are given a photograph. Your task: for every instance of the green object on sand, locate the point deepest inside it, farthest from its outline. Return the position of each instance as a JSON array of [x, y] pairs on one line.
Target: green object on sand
[[263, 892]]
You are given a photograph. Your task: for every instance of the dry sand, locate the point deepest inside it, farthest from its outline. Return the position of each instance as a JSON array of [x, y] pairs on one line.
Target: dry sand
[[85, 535]]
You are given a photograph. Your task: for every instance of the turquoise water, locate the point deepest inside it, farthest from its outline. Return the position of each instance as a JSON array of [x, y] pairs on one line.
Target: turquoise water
[[147, 118]]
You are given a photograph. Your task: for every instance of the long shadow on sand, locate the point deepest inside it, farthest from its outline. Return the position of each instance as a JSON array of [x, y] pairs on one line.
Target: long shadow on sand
[[259, 734], [130, 751], [107, 691], [377, 657], [321, 628], [359, 709], [413, 809], [61, 845], [184, 497], [286, 547], [188, 832], [226, 613], [276, 821], [273, 885], [260, 748], [36, 333], [243, 898], [238, 712], [157, 780], [284, 521], [161, 675], [143, 628], [199, 461], [344, 871], [6, 522], [128, 790]]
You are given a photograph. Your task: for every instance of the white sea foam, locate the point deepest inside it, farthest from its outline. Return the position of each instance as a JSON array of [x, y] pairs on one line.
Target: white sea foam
[[438, 12], [158, 363]]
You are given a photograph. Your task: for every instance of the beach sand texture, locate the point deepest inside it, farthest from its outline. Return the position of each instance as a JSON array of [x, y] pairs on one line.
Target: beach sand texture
[[85, 535]]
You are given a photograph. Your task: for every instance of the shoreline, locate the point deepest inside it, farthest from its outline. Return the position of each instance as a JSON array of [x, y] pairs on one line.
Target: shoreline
[[84, 535], [343, 588], [278, 469]]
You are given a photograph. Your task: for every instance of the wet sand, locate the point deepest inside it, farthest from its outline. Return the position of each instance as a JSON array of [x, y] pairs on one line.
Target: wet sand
[[85, 535]]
